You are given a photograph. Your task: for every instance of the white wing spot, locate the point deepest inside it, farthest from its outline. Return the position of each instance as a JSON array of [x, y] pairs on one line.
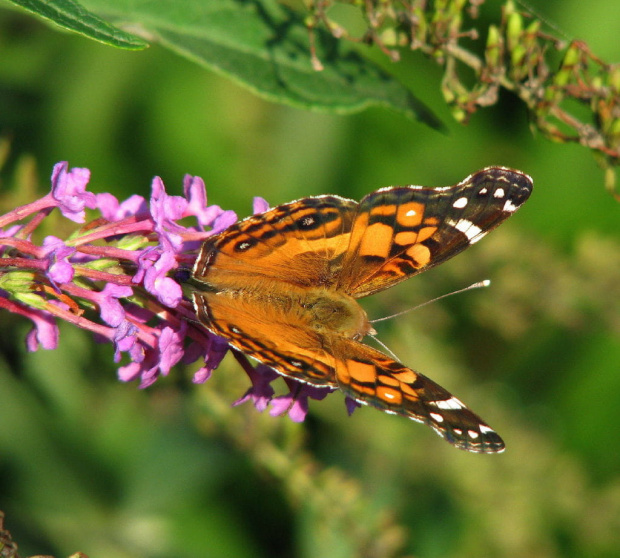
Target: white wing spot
[[235, 330], [411, 213], [499, 193], [458, 431], [436, 417], [471, 231], [483, 191], [460, 203], [296, 363], [307, 221], [510, 207], [473, 434], [452, 404], [484, 429]]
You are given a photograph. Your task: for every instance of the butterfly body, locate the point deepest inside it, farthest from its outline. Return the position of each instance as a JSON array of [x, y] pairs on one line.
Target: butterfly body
[[282, 286]]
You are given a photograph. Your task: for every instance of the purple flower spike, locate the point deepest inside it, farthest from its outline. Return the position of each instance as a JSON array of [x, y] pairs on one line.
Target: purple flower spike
[[208, 216], [196, 195], [125, 337], [45, 331], [223, 221], [147, 370], [155, 262], [215, 351], [260, 205], [288, 404], [154, 276], [351, 405], [165, 209], [171, 347], [261, 391], [131, 249], [296, 402], [69, 190], [57, 254], [129, 372], [112, 312], [111, 210]]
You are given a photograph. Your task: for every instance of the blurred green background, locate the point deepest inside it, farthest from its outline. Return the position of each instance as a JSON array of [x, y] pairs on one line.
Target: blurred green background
[[89, 464]]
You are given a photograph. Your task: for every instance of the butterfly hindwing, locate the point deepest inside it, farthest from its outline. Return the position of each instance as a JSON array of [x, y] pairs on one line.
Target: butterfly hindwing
[[368, 376], [269, 334]]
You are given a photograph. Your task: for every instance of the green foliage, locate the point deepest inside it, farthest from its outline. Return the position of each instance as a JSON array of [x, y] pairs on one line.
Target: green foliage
[[300, 57], [259, 44], [73, 17]]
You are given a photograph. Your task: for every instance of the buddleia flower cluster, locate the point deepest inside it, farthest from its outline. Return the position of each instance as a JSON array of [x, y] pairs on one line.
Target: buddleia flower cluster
[[120, 276]]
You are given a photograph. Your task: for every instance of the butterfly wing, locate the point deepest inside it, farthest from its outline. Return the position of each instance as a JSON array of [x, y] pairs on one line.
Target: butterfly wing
[[252, 282], [274, 337], [370, 377], [270, 333], [399, 232], [300, 243]]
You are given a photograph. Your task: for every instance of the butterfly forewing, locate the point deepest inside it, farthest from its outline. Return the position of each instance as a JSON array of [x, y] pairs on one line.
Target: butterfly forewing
[[399, 232], [300, 242]]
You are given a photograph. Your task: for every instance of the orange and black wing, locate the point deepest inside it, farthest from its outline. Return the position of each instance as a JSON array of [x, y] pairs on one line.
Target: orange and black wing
[[399, 232], [370, 377], [276, 339], [268, 333], [300, 243]]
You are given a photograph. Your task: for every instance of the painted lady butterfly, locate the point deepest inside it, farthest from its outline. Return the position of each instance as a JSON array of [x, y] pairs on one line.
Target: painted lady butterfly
[[281, 286]]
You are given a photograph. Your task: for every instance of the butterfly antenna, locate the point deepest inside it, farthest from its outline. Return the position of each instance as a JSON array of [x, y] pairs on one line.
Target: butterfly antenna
[[383, 345], [477, 285]]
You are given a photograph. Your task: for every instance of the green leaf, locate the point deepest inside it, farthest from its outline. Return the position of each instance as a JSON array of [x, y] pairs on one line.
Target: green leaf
[[265, 47], [70, 15]]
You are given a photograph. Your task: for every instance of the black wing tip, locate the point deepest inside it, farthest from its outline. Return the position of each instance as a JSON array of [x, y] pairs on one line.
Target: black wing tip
[[515, 177], [478, 438], [482, 440], [508, 186]]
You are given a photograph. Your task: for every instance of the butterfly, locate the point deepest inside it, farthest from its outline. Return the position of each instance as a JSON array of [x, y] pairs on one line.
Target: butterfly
[[282, 287]]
